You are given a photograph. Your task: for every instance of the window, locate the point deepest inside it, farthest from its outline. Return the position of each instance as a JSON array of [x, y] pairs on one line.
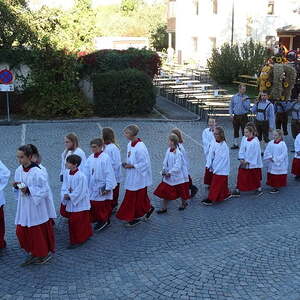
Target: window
[[195, 44], [270, 9], [172, 9], [214, 4], [213, 42], [196, 7]]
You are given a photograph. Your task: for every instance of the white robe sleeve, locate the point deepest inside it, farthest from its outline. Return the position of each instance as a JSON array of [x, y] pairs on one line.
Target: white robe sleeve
[[62, 166], [268, 154], [4, 176], [38, 187], [210, 157], [205, 142]]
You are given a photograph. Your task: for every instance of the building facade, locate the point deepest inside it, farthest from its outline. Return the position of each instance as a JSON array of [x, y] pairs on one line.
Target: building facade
[[197, 26]]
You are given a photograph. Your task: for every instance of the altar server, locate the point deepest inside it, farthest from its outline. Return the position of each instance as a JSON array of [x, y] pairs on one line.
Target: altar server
[[296, 160], [136, 204], [75, 192], [4, 176], [34, 225], [219, 164], [249, 173], [174, 173], [101, 182], [113, 152], [276, 157], [207, 140], [71, 147]]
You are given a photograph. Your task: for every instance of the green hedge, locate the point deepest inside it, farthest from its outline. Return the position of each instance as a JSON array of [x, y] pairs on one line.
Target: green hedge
[[123, 93], [102, 61]]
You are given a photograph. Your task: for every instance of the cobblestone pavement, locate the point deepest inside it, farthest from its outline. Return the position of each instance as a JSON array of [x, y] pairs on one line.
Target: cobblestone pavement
[[243, 249]]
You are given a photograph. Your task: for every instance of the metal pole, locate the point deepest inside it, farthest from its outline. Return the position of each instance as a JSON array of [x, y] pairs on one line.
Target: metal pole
[[7, 105], [232, 22]]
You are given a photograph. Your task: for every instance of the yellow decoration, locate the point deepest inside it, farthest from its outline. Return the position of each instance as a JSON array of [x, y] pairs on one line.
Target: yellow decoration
[[268, 84], [282, 98], [286, 84], [278, 59]]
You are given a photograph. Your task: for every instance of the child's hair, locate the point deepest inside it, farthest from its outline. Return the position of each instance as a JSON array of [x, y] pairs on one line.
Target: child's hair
[[134, 129], [252, 125], [26, 149], [221, 132], [35, 152], [178, 132], [251, 129], [174, 138], [74, 159], [74, 139], [108, 135], [279, 132], [98, 142]]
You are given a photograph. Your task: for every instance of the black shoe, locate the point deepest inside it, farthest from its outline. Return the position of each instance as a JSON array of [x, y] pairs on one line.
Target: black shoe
[[258, 193], [29, 260], [235, 193], [133, 223], [293, 151], [149, 213], [42, 260], [207, 202], [194, 190], [183, 207], [234, 147], [101, 225], [274, 191]]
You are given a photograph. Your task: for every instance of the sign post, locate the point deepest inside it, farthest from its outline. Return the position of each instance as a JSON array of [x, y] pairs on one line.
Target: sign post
[[6, 79]]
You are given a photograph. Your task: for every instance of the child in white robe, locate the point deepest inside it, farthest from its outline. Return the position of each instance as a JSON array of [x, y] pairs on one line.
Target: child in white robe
[[71, 147], [136, 204], [173, 185], [76, 194], [101, 182], [249, 173], [192, 187], [276, 156], [34, 225], [207, 139], [4, 176], [218, 163], [296, 160], [113, 152]]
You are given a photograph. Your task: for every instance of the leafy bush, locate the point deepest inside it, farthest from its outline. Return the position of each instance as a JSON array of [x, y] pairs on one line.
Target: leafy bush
[[106, 60], [228, 62], [123, 93]]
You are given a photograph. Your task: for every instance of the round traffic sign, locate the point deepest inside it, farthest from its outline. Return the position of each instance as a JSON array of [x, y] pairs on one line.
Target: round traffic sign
[[6, 76]]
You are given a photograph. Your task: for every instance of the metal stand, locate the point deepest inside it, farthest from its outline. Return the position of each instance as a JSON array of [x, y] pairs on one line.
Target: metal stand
[[7, 106]]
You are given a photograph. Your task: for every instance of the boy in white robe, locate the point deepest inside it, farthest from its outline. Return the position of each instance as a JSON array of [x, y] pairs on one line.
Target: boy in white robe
[[136, 204], [4, 176], [101, 182], [276, 156], [296, 160], [34, 225], [76, 194]]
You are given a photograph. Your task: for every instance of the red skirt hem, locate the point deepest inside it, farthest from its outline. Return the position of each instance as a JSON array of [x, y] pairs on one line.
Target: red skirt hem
[[135, 205], [38, 240], [296, 166], [276, 180], [80, 227], [249, 179], [208, 176], [219, 188], [101, 210], [63, 212], [173, 192]]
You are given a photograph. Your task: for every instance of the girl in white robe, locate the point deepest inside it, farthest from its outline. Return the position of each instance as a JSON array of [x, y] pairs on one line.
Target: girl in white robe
[[71, 147], [173, 185], [276, 157], [136, 204], [34, 225], [249, 174], [207, 139], [218, 163], [75, 192], [114, 153], [296, 160], [101, 182], [4, 177]]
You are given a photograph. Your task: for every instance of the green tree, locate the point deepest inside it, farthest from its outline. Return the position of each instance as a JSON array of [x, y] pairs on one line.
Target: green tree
[[159, 38], [129, 6]]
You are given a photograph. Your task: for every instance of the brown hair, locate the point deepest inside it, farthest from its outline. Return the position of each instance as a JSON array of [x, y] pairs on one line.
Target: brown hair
[[280, 133], [178, 132], [98, 142], [108, 135], [221, 132], [251, 128], [174, 138], [242, 85], [134, 129], [74, 139]]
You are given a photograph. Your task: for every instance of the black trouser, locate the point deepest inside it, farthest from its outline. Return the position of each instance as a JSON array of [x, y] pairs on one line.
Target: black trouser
[[282, 121], [262, 128], [239, 122], [295, 91], [295, 127]]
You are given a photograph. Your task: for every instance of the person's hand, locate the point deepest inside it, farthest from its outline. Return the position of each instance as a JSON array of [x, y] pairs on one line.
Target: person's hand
[[168, 175], [242, 161], [25, 190], [105, 192], [128, 166], [66, 197], [15, 184]]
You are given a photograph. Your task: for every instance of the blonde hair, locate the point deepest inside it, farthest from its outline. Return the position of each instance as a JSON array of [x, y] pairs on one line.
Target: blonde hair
[[221, 132], [279, 132], [174, 138], [108, 135], [74, 139], [178, 132], [133, 129], [251, 129]]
